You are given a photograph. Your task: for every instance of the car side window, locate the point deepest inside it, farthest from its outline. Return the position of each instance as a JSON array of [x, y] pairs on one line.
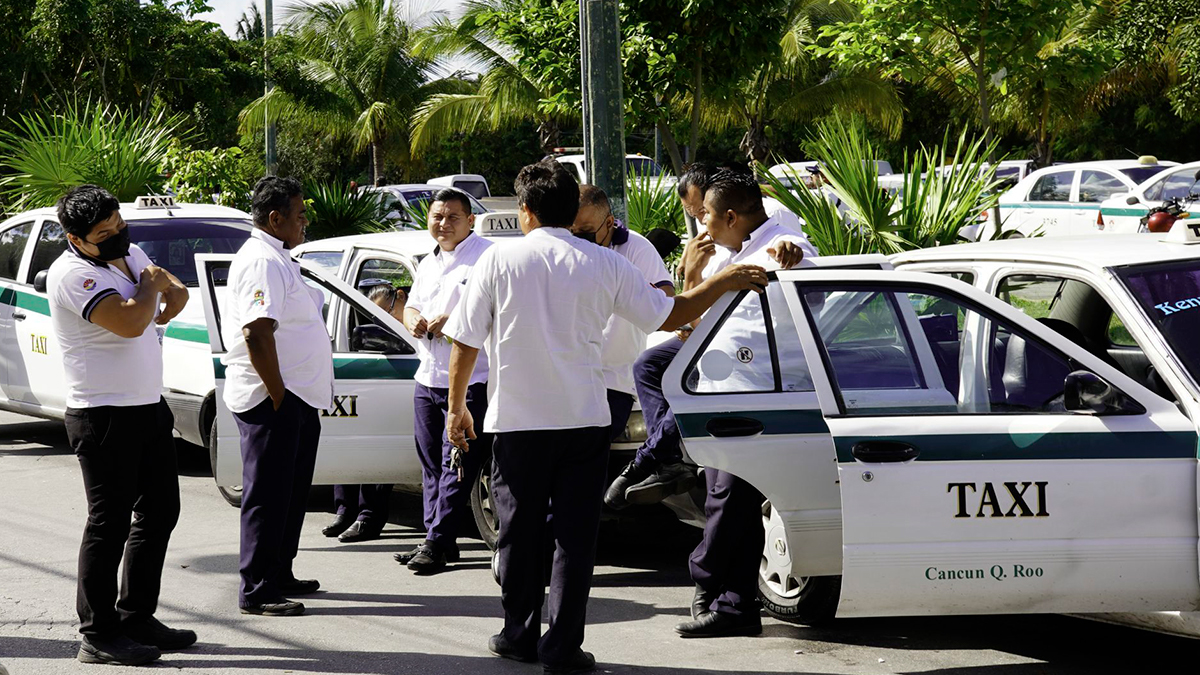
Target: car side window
[[1053, 187], [1180, 185], [12, 249], [906, 351], [755, 349], [391, 271], [50, 245], [329, 260], [1096, 186]]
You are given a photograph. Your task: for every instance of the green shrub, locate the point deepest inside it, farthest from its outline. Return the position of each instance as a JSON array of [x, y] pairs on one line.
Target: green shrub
[[222, 176], [335, 210]]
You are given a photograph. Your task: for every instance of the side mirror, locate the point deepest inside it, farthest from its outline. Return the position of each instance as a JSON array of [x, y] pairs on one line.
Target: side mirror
[[39, 281], [1084, 392], [1197, 176], [377, 339], [1131, 200]]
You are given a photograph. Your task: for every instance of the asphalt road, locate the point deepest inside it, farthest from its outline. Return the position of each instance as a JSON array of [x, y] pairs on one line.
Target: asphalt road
[[375, 618]]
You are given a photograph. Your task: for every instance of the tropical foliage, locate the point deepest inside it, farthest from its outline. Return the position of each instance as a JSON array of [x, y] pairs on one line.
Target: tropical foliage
[[222, 176], [650, 203], [336, 209]]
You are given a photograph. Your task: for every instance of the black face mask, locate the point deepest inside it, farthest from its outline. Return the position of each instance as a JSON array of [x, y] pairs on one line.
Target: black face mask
[[586, 236], [116, 246]]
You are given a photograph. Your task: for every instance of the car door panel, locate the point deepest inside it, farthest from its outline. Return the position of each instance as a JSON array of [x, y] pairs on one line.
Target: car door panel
[[1012, 511], [40, 353]]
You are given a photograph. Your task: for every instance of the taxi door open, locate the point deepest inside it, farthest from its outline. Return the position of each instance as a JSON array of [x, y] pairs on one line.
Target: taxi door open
[[987, 463], [367, 434]]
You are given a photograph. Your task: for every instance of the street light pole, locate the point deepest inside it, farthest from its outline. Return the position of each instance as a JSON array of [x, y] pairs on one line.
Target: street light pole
[[268, 32], [603, 105]]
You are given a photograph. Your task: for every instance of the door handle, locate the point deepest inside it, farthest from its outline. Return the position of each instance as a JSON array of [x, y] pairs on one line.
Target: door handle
[[19, 316], [729, 427], [878, 452]]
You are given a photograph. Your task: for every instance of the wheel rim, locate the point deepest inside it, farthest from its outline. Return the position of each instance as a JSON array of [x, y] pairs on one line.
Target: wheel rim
[[485, 497], [776, 565]]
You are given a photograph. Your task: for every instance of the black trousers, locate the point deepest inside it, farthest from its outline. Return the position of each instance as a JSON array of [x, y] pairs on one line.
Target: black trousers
[[279, 454], [127, 454], [368, 503], [726, 560], [534, 474]]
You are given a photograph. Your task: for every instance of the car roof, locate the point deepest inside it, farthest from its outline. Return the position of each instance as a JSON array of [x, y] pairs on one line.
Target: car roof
[[130, 212], [409, 242], [1095, 252]]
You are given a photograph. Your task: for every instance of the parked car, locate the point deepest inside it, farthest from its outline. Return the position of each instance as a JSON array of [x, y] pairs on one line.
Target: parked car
[[1065, 199], [31, 372], [470, 183], [636, 165], [1123, 212], [411, 199]]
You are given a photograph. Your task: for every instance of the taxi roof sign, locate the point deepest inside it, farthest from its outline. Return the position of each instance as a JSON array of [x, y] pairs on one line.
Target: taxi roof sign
[[1184, 232], [498, 223], [155, 202]]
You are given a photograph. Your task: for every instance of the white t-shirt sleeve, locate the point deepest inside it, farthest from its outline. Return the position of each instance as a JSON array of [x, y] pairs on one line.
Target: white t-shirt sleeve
[[260, 291], [636, 301], [471, 322], [645, 257], [80, 290]]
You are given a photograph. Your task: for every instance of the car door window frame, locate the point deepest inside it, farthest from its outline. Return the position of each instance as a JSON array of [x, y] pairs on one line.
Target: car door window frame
[[26, 250], [1071, 183], [776, 375]]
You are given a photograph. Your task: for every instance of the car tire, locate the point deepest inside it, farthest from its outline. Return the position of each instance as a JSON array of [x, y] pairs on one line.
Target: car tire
[[481, 504], [806, 600], [233, 493]]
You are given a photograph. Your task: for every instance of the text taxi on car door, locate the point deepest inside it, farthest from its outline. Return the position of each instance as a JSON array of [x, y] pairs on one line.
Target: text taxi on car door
[[31, 372], [1065, 199], [1123, 213], [928, 448]]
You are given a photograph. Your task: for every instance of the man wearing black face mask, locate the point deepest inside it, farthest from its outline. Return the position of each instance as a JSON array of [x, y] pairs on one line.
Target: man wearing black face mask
[[106, 300], [623, 342]]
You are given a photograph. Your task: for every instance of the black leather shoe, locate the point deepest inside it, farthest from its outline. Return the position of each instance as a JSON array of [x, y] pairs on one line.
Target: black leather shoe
[[453, 555], [283, 608], [631, 475], [359, 531], [717, 624], [299, 586], [668, 480], [702, 600], [500, 646], [339, 525], [583, 662], [118, 650], [152, 632], [428, 560]]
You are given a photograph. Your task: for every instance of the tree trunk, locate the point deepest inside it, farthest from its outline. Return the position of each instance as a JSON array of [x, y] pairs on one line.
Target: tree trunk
[[377, 177], [755, 144], [548, 135], [672, 147]]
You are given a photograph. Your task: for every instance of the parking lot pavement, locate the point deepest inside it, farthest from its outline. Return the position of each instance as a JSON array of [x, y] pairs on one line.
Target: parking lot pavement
[[374, 618]]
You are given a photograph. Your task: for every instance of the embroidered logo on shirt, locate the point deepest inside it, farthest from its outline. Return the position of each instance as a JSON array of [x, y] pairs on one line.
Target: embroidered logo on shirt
[[89, 284], [259, 298]]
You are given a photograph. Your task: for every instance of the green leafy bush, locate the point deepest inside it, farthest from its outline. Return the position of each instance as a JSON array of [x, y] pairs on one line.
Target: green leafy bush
[[650, 203], [224, 176], [336, 210], [45, 154]]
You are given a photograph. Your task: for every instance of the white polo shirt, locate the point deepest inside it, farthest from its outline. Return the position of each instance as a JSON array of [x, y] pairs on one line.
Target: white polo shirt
[[623, 341], [742, 336], [540, 306], [439, 285], [101, 367], [265, 282]]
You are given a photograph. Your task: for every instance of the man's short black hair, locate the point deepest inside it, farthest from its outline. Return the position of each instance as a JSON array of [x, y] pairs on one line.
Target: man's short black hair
[[735, 191], [273, 193], [549, 191], [696, 173], [84, 207], [447, 195], [590, 195]]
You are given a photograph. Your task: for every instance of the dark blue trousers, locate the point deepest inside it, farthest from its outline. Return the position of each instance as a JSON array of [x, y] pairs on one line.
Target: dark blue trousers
[[370, 502], [620, 406], [662, 434], [446, 498], [536, 474], [726, 560], [279, 453]]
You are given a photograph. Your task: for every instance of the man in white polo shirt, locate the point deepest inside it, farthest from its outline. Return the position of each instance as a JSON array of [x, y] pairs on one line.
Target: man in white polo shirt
[[105, 298], [278, 375], [623, 341], [439, 285], [541, 305]]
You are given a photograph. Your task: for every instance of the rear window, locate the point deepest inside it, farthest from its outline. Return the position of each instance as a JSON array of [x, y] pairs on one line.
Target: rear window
[[1140, 174], [475, 188], [173, 244]]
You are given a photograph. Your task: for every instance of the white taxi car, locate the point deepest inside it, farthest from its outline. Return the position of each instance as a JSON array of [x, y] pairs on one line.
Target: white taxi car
[[31, 372], [1123, 212], [1065, 199], [1002, 427]]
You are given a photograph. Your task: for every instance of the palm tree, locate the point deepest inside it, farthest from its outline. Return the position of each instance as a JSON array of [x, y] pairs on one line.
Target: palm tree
[[250, 26], [800, 86], [507, 93], [354, 76]]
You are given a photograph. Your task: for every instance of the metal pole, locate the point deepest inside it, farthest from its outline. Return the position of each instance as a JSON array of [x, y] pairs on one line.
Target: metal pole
[[268, 32], [603, 107]]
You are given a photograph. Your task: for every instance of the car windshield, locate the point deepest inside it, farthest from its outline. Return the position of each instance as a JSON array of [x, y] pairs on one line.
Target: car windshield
[[1170, 295], [1141, 174], [418, 201], [174, 243]]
